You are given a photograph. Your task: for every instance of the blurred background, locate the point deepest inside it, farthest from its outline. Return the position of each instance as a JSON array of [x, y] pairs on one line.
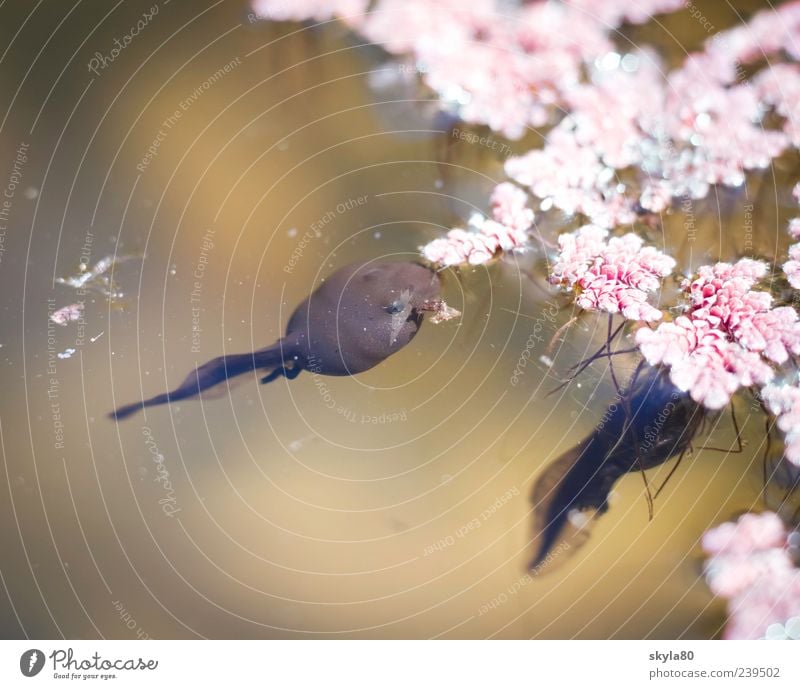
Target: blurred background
[[226, 165]]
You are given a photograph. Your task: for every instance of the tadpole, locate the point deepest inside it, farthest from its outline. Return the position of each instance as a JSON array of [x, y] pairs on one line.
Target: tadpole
[[359, 316], [648, 423]]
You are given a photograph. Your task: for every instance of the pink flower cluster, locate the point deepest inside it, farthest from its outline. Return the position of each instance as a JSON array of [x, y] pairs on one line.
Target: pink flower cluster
[[351, 11], [767, 33], [792, 267], [497, 64], [494, 64], [612, 13], [614, 275], [727, 337], [678, 133], [751, 565], [506, 231], [779, 88], [633, 138], [571, 176], [784, 402]]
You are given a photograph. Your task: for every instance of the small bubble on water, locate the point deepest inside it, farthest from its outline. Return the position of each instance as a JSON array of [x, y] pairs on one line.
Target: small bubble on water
[[775, 631], [609, 62], [578, 519], [630, 63], [792, 628]]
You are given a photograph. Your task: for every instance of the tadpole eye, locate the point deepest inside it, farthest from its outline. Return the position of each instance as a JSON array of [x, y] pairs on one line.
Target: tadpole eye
[[395, 307]]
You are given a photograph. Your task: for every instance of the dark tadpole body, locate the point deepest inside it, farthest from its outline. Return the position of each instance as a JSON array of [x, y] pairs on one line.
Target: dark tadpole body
[[359, 316], [648, 424]]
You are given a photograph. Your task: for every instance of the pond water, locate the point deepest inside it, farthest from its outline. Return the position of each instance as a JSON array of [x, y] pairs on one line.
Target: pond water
[[237, 163]]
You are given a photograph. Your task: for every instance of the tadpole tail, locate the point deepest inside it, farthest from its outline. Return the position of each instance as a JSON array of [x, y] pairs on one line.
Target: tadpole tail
[[574, 481], [211, 373]]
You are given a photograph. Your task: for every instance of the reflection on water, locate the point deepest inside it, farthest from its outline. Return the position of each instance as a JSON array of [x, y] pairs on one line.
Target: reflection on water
[[245, 162]]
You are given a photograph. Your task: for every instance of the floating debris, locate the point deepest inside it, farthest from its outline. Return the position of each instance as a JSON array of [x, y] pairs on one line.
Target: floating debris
[[300, 443], [441, 311], [67, 314], [96, 279]]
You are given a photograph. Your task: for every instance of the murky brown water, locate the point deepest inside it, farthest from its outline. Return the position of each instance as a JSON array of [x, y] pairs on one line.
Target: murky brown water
[[393, 504]]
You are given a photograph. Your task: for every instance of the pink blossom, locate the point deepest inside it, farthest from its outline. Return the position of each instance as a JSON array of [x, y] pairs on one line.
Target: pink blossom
[[681, 134], [792, 267], [743, 275], [460, 246], [732, 575], [509, 207], [683, 131], [500, 65], [779, 87], [721, 343], [495, 64], [615, 12], [508, 231], [722, 296], [656, 196], [750, 565], [317, 10], [702, 360], [768, 32], [751, 533], [572, 177], [413, 26], [612, 275], [784, 402], [516, 67]]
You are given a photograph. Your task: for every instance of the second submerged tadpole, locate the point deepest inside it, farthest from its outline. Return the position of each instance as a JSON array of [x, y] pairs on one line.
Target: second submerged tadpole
[[650, 422]]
